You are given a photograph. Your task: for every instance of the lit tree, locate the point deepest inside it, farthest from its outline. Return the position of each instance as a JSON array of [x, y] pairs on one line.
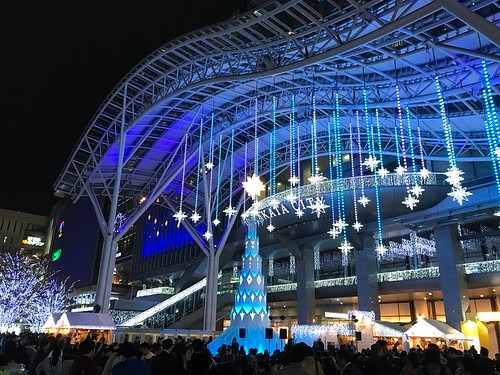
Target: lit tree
[[29, 291]]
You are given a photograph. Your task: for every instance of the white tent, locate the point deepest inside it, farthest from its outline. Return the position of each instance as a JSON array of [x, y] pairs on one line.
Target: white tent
[[52, 321], [428, 328], [81, 320], [387, 329]]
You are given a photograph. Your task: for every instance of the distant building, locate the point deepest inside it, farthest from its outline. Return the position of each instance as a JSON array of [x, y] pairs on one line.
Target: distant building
[[20, 231]]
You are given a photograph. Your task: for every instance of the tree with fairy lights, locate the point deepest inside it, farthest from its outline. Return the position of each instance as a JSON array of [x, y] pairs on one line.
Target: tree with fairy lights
[[29, 291]]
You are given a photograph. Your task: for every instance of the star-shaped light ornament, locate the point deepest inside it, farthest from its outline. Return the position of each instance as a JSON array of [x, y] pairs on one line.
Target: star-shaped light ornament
[[207, 235], [410, 202], [424, 173], [382, 172], [179, 216], [291, 197], [244, 215], [270, 227], [400, 170], [334, 232], [294, 180], [459, 194], [209, 165], [357, 226], [254, 209], [253, 186], [195, 217], [381, 249], [274, 203], [216, 222], [454, 176], [318, 207], [371, 163], [346, 247], [299, 213], [230, 211], [316, 178], [417, 190], [497, 152], [341, 225], [363, 200]]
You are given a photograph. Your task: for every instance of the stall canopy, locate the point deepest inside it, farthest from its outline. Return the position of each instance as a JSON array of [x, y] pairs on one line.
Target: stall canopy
[[428, 328], [79, 320], [52, 320], [386, 329]]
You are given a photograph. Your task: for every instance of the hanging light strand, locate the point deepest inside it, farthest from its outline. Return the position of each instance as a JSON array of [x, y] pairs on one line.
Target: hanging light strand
[[217, 190], [180, 215], [357, 225], [330, 166], [363, 200], [492, 125], [195, 217], [410, 141], [256, 140]]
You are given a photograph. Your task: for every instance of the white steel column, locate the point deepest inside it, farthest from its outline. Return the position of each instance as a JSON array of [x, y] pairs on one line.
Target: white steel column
[[105, 277]]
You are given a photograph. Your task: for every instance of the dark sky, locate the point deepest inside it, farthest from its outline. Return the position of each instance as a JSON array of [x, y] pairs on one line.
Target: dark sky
[[59, 60]]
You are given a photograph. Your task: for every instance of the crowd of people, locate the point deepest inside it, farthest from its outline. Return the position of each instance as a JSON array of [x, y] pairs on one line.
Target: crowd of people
[[31, 354]]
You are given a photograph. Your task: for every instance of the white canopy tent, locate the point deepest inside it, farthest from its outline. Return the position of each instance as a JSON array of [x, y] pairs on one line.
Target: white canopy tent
[[387, 329], [79, 325], [434, 329]]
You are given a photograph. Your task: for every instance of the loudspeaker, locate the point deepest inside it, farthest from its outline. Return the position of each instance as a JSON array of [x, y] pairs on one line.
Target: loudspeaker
[[358, 336], [269, 333], [243, 333], [283, 333]]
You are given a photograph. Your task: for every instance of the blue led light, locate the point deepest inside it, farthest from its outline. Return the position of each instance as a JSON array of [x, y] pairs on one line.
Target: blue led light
[[330, 167], [491, 123], [379, 138], [219, 172], [410, 141], [200, 143], [446, 127]]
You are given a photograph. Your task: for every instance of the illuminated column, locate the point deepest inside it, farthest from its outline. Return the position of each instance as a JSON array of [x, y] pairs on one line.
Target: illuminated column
[[306, 297], [366, 271], [250, 308], [452, 274]]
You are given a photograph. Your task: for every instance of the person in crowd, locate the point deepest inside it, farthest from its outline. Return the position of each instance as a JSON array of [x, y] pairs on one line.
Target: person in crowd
[[344, 361], [296, 358], [84, 363], [131, 365], [432, 363], [376, 360], [182, 360], [145, 350], [412, 363], [201, 360], [311, 364], [162, 361], [41, 353], [484, 365], [52, 364]]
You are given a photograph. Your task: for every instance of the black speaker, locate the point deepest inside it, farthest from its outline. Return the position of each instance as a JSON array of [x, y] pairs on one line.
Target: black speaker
[[283, 333], [269, 333], [358, 336], [243, 333]]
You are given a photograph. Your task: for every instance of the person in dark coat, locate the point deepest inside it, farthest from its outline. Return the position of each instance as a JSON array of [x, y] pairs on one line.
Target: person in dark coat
[[131, 365], [375, 363], [201, 360], [484, 365], [40, 355], [162, 362], [84, 363], [344, 361]]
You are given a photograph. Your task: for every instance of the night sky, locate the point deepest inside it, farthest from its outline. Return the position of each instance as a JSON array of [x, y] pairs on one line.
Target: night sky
[[59, 60]]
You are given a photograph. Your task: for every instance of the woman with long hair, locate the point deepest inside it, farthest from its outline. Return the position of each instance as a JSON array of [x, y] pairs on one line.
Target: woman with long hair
[[182, 360]]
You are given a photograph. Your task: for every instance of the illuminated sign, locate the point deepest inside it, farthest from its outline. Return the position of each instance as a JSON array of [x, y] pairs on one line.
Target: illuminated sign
[[61, 229], [56, 255], [33, 241]]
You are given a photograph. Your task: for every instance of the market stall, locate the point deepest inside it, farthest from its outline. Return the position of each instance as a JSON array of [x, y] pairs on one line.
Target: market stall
[[390, 332], [427, 331], [80, 325]]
